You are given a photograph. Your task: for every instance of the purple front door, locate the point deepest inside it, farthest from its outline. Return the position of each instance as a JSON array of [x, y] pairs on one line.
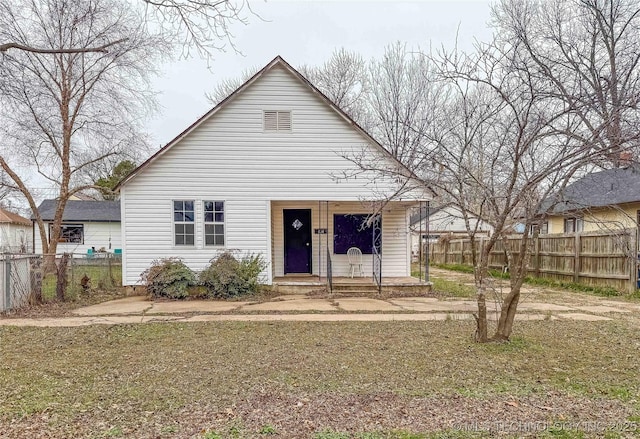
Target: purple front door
[[297, 240]]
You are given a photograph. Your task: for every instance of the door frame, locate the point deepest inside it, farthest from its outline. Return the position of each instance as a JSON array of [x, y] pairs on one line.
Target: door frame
[[284, 242]]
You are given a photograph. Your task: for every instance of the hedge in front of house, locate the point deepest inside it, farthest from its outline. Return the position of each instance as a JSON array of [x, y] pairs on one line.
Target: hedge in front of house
[[168, 278], [227, 276]]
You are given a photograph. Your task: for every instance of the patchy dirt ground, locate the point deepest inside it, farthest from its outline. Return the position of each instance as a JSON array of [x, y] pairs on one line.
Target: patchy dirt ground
[[307, 416], [53, 308], [303, 379]]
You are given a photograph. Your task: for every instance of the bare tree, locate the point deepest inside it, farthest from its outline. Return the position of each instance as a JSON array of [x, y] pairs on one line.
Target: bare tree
[[201, 25], [555, 92], [400, 105], [344, 80], [8, 191], [499, 149], [227, 86], [496, 146], [586, 53], [64, 113]]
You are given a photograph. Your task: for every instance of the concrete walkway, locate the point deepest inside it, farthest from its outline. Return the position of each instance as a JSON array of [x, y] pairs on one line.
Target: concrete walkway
[[140, 309]]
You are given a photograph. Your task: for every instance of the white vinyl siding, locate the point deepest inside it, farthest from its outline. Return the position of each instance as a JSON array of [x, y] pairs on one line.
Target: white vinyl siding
[[100, 235], [230, 157], [245, 233]]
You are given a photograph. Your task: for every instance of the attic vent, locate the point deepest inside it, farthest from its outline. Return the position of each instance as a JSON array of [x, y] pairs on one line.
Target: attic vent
[[277, 120]]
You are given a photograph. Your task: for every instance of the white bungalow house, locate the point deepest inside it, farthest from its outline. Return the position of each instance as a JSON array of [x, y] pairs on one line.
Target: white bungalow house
[[268, 171], [15, 233], [87, 227]]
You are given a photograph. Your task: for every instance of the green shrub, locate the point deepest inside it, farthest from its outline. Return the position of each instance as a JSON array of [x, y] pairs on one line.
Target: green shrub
[[168, 278], [228, 277]]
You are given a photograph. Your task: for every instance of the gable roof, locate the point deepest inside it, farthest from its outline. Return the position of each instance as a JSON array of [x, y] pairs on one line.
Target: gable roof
[[7, 217], [277, 61], [599, 189], [84, 211]]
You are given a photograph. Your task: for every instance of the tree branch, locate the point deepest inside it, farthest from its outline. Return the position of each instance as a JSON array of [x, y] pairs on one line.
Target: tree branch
[[99, 49]]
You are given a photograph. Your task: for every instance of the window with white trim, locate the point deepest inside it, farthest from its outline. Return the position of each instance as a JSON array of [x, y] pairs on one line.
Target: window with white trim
[[573, 225], [276, 120], [183, 222], [542, 228], [214, 223]]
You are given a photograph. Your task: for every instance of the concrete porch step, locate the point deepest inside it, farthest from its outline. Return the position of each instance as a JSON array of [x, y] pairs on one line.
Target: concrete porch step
[[347, 287], [350, 286]]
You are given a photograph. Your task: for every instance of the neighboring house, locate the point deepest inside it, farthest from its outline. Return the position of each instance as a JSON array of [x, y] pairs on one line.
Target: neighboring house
[[15, 233], [605, 200], [85, 225], [442, 220], [262, 173]]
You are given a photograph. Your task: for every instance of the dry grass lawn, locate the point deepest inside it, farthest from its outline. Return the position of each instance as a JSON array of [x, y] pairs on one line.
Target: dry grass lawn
[[319, 380]]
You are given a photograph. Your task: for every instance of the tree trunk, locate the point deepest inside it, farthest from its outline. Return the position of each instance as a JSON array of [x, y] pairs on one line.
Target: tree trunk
[[507, 316], [61, 284], [481, 318], [481, 273], [518, 271]]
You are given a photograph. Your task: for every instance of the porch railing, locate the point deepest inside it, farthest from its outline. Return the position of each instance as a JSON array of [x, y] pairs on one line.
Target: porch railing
[[329, 273], [377, 268], [376, 234]]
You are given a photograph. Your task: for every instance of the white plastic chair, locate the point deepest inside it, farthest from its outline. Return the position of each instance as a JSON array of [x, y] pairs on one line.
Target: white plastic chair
[[355, 260]]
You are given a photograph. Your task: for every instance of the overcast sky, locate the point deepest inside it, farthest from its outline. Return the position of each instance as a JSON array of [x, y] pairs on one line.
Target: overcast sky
[[307, 32]]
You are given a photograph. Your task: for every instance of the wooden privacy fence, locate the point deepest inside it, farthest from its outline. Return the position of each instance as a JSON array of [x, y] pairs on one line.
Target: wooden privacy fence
[[603, 259]]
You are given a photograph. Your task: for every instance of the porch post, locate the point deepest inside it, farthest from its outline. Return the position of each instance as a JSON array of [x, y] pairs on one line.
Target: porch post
[[421, 218], [427, 250], [319, 243]]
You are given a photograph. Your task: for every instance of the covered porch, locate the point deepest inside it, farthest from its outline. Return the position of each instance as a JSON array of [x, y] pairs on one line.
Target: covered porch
[[310, 241]]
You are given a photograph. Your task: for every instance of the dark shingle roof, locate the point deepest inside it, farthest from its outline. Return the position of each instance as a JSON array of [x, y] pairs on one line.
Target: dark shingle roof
[[604, 188], [86, 211]]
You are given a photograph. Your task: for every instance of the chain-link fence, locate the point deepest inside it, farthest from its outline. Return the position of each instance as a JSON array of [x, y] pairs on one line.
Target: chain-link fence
[[25, 279], [100, 271], [20, 279]]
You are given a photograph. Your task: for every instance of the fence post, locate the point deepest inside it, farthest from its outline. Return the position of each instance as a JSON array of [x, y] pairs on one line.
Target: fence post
[[633, 260], [111, 282], [537, 262], [576, 258], [7, 281], [446, 251]]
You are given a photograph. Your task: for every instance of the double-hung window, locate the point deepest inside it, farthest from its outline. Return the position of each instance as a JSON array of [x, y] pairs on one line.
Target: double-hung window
[[572, 225], [184, 222], [214, 223]]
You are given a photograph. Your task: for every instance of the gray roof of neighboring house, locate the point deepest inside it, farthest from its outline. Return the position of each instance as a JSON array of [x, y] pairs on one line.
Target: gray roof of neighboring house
[[598, 189], [80, 210]]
